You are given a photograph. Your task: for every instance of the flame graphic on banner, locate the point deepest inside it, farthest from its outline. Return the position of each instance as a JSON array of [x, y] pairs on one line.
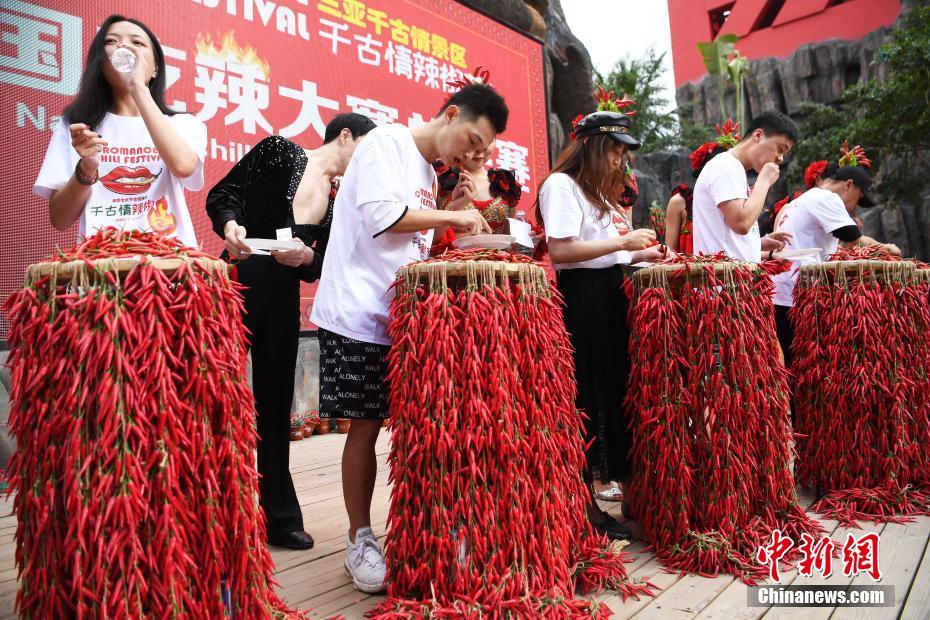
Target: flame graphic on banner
[[228, 50]]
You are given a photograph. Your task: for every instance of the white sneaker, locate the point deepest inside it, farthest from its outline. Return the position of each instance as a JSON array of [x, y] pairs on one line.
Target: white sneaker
[[365, 563]]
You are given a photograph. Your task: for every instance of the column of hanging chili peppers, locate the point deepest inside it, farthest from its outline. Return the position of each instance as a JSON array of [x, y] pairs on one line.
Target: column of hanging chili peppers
[[488, 505], [709, 417], [862, 354], [135, 488]]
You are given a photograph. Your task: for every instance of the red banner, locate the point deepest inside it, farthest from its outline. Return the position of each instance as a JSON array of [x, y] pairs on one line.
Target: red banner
[[250, 68]]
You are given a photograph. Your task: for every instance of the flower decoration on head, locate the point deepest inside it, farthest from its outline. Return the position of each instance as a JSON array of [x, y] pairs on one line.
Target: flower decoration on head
[[607, 101], [479, 76], [854, 156], [727, 137], [577, 120], [701, 154], [814, 173], [781, 203]]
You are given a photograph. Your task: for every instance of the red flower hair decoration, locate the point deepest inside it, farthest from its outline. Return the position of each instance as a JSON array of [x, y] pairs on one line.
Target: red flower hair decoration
[[814, 173]]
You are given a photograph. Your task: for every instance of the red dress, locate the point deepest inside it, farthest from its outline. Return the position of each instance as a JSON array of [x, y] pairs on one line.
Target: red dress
[[505, 195]]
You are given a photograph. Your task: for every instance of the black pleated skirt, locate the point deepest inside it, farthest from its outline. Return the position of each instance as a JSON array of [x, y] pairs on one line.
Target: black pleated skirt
[[595, 317]]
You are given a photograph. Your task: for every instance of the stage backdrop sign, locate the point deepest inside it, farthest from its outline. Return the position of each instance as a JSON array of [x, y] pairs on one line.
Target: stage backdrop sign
[[252, 68]]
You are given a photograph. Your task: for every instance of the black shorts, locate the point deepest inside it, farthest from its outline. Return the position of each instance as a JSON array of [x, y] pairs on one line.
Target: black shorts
[[353, 378]]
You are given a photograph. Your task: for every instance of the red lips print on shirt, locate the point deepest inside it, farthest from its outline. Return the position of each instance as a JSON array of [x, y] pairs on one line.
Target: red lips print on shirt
[[129, 181]]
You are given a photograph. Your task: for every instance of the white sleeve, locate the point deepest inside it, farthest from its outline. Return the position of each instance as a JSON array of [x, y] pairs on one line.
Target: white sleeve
[[728, 184], [832, 214], [194, 133], [58, 165], [561, 212], [380, 194]]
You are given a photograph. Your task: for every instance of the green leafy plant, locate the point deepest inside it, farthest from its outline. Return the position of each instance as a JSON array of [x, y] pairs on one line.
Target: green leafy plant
[[640, 79]]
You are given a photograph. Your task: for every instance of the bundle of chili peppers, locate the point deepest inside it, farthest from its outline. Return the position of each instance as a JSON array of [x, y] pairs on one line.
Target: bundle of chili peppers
[[708, 404], [487, 515], [862, 395], [134, 479]]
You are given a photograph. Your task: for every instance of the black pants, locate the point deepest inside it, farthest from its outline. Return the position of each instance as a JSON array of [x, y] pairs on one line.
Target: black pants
[[595, 318], [785, 337], [272, 315], [785, 332]]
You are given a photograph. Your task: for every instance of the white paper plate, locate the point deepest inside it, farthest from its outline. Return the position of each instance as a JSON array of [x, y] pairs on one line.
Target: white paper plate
[[491, 242], [795, 254], [271, 244]]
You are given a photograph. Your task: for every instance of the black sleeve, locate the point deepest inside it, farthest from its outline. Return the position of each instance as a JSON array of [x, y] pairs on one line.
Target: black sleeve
[[312, 272], [227, 199], [847, 234]]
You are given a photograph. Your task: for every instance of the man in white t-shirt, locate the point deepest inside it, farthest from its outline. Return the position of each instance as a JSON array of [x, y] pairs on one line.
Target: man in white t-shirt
[[725, 214], [821, 218], [384, 218]]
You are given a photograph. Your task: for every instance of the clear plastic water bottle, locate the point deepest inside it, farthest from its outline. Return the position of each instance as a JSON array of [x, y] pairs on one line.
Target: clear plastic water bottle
[[123, 60], [522, 249]]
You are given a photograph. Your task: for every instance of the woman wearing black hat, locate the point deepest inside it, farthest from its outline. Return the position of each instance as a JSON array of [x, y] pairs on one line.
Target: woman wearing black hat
[[587, 251]]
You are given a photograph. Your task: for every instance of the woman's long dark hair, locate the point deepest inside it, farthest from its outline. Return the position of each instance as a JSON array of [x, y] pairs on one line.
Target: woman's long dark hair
[[95, 98], [585, 161]]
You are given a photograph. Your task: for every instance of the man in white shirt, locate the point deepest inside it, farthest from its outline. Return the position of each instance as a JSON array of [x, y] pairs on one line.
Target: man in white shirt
[[384, 218], [822, 218], [725, 214]]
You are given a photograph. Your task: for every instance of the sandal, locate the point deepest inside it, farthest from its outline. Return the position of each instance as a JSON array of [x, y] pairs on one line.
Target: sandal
[[613, 494]]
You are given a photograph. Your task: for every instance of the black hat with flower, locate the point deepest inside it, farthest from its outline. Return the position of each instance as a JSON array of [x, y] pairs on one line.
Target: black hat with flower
[[611, 117]]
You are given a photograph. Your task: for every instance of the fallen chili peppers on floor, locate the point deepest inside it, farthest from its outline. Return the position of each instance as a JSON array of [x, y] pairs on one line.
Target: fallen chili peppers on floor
[[135, 488], [487, 515], [708, 402], [862, 389]]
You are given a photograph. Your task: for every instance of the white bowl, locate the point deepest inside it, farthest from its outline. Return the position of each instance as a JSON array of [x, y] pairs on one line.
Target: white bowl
[[490, 242]]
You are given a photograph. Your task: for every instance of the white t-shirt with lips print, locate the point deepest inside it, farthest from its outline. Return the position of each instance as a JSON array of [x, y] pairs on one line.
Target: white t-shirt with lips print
[[386, 177], [136, 191]]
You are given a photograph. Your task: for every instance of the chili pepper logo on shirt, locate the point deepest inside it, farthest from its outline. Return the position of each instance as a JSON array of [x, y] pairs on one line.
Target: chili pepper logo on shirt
[[131, 181], [161, 219]]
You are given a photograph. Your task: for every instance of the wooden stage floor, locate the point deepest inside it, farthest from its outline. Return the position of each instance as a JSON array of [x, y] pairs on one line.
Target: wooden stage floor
[[315, 581]]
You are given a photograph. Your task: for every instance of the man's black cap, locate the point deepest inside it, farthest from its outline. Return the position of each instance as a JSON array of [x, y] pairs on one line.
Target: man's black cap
[[860, 178]]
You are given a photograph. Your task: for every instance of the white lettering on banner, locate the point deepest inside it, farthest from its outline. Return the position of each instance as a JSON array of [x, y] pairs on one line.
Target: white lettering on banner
[[415, 120], [333, 33], [310, 104], [248, 91], [368, 53], [173, 74], [400, 60], [220, 83], [211, 85], [421, 67], [286, 20], [233, 153], [40, 48], [447, 74], [376, 111], [37, 119], [512, 156]]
